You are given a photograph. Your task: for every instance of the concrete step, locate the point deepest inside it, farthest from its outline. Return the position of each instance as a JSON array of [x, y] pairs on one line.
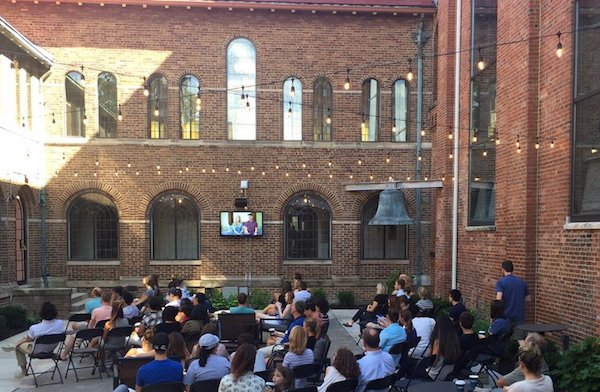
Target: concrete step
[[78, 301]]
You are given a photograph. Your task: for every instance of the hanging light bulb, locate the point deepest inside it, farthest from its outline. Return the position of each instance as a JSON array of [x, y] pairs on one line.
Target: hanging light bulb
[[329, 163], [497, 139], [145, 86], [419, 158], [292, 89], [347, 84], [119, 114], [82, 80], [97, 162], [362, 124], [552, 144], [480, 63], [559, 46], [517, 143], [243, 95], [53, 119], [359, 162], [450, 135], [519, 149], [422, 132], [475, 135], [328, 120], [290, 110], [387, 159], [537, 143], [394, 129], [409, 74], [451, 155], [594, 150], [484, 153], [156, 110], [198, 99]]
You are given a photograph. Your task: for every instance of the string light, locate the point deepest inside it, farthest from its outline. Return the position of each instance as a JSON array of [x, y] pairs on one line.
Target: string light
[[243, 95], [422, 132], [484, 153], [128, 165], [328, 120], [304, 165], [347, 84], [450, 135], [292, 89], [518, 144], [329, 163], [387, 159], [552, 144], [480, 63], [537, 143], [419, 158], [409, 74], [97, 162], [120, 113], [444, 177], [559, 46], [497, 139], [475, 135], [594, 150], [359, 161], [82, 80], [290, 110], [198, 98], [156, 111], [362, 124], [451, 155], [157, 167], [145, 86], [394, 130], [53, 119]]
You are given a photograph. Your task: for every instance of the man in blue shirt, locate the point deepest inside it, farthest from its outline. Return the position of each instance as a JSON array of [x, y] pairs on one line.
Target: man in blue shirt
[[297, 310], [513, 291], [242, 307], [162, 369], [375, 364]]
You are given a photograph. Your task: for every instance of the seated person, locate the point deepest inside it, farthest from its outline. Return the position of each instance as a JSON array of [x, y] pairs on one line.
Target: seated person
[[178, 349], [49, 325], [378, 307], [344, 367], [298, 354], [469, 339], [500, 324], [392, 333], [129, 310], [147, 349], [302, 294], [185, 311], [446, 348], [323, 308], [312, 313], [242, 307], [208, 365], [152, 317], [375, 364], [117, 294], [221, 350], [530, 362], [161, 370], [457, 308], [424, 303], [168, 324], [198, 319], [399, 286], [312, 331], [174, 297], [423, 326], [282, 310], [259, 361], [516, 375], [277, 337], [95, 302]]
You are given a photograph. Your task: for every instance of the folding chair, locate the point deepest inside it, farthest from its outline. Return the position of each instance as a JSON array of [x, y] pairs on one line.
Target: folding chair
[[78, 318], [397, 350], [304, 389], [134, 320], [422, 366], [266, 375], [117, 340], [348, 385], [84, 350], [125, 370], [164, 387], [205, 386], [303, 372], [462, 368], [383, 383], [44, 349]]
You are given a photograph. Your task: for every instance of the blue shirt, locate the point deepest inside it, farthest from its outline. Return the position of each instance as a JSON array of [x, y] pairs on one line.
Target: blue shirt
[[241, 310], [296, 322], [500, 326], [456, 310], [514, 290], [374, 365], [92, 304], [159, 372], [391, 335], [216, 367]]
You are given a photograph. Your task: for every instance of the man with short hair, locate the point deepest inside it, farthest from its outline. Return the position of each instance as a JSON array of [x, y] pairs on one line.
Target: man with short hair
[[457, 308], [513, 291], [242, 307], [469, 339], [297, 310], [169, 324], [104, 311], [303, 294], [376, 363], [95, 302], [129, 310]]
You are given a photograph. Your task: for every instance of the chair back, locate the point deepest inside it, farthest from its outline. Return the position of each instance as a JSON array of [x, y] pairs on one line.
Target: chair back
[[348, 385], [231, 326], [266, 375], [46, 344], [421, 368], [78, 318], [117, 338], [206, 386], [164, 387], [464, 363], [380, 383], [397, 348], [127, 370], [100, 324], [305, 371], [304, 389], [135, 319], [88, 334]]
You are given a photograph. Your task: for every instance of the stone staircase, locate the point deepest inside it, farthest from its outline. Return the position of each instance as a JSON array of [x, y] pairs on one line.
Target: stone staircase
[[78, 300]]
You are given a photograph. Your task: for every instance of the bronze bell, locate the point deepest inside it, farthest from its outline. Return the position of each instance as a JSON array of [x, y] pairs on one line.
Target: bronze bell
[[391, 209]]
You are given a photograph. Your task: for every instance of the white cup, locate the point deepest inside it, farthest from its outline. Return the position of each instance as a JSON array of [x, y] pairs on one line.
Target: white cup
[[460, 385]]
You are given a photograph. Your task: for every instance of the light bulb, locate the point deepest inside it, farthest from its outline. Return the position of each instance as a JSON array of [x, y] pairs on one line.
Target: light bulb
[[328, 120], [552, 144], [450, 135], [559, 46], [293, 91], [451, 155], [347, 84], [497, 140], [594, 150], [484, 153], [157, 167], [387, 160], [156, 111], [145, 86], [422, 132], [120, 115], [290, 113], [394, 130], [359, 161], [409, 75], [329, 163]]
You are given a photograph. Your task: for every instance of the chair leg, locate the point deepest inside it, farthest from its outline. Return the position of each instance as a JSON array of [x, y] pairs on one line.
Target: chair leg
[[29, 367]]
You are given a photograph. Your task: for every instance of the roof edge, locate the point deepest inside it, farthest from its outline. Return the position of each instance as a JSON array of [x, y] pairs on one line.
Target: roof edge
[[24, 43]]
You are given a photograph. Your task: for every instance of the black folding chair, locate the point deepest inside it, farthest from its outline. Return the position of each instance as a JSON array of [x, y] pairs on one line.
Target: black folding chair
[[398, 349], [44, 349], [462, 368], [100, 324], [421, 368], [134, 320], [78, 318], [303, 372], [304, 389], [266, 375], [206, 386], [348, 385], [164, 387], [381, 383], [117, 340], [84, 350]]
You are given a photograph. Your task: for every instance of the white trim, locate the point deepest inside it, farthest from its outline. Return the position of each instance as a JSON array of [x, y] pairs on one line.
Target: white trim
[[481, 228], [582, 226], [390, 261], [95, 263], [279, 222], [56, 221], [5, 219], [176, 263], [135, 221], [342, 222], [307, 262]]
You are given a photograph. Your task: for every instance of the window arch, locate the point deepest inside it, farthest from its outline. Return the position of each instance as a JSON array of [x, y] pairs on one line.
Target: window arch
[[380, 241], [189, 106], [400, 117], [174, 222], [107, 105], [308, 228], [241, 90], [93, 224], [75, 103], [370, 110], [322, 107], [157, 106], [292, 109]]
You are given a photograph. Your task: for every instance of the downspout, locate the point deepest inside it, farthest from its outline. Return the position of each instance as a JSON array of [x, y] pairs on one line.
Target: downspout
[[456, 141], [43, 213]]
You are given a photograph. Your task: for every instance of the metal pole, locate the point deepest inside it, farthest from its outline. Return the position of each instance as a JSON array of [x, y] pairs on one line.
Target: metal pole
[[420, 39], [456, 144], [43, 236]]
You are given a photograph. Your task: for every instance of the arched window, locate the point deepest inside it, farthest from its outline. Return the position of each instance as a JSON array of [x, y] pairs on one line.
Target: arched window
[[174, 228], [322, 107], [379, 241], [241, 90], [157, 106], [400, 111], [308, 228], [93, 224], [107, 105], [189, 105], [75, 99], [292, 109], [370, 111]]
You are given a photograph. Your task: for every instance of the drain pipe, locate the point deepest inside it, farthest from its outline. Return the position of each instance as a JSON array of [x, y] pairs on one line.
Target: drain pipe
[[43, 260], [456, 144]]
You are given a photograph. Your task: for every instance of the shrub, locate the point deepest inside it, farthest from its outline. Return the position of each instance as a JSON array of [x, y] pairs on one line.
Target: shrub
[[15, 316], [260, 298], [219, 302], [319, 292], [391, 280], [346, 298], [579, 368]]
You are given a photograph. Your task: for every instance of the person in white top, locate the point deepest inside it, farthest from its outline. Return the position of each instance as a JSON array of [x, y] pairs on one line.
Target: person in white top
[[49, 325], [344, 367], [302, 294], [174, 297], [530, 362], [375, 364], [424, 327]]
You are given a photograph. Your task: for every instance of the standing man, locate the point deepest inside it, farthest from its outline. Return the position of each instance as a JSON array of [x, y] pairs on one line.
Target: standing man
[[513, 291]]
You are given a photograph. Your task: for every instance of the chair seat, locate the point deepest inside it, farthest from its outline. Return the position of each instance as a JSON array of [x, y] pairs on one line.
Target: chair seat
[[45, 356]]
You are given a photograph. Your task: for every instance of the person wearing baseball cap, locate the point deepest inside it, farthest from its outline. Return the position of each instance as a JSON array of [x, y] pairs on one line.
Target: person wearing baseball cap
[[208, 366]]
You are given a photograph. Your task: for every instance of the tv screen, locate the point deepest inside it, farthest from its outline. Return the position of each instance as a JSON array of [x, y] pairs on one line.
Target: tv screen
[[241, 224]]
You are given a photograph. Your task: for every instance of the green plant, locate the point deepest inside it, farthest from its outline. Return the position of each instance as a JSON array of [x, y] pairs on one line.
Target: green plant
[[219, 302], [319, 292], [15, 316], [579, 368], [346, 298], [391, 280], [481, 320], [260, 298]]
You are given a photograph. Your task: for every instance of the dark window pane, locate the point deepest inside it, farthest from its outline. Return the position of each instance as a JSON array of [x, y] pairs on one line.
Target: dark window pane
[[308, 228], [189, 104], [322, 108], [107, 105], [175, 225], [157, 106], [75, 100]]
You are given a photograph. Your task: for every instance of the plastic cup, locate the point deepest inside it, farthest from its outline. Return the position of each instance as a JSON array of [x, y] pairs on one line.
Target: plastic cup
[[460, 385], [481, 334], [474, 380], [271, 331]]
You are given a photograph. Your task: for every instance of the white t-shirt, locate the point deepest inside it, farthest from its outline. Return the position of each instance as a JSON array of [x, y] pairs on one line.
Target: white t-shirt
[[331, 377], [46, 327], [302, 295], [424, 327], [542, 384]]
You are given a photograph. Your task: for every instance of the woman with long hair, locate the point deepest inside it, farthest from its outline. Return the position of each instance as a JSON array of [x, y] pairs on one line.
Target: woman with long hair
[[178, 349], [150, 290], [376, 308], [445, 346], [298, 354], [146, 350], [344, 367], [242, 378], [312, 332], [116, 320], [208, 365]]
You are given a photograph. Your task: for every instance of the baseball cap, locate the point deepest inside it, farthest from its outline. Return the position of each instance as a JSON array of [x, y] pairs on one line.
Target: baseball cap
[[208, 341], [161, 341]]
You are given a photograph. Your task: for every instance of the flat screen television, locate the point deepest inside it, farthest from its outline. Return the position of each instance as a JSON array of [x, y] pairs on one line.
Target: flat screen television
[[241, 224]]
